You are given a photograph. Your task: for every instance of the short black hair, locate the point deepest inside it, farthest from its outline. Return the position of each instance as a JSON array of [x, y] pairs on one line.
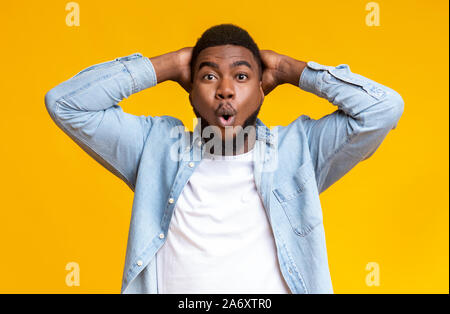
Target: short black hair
[[226, 34]]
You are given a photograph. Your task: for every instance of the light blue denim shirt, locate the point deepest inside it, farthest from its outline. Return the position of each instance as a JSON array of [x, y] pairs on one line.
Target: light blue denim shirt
[[155, 157]]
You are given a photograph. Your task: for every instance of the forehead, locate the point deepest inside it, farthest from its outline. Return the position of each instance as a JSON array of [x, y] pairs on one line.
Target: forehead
[[225, 54]]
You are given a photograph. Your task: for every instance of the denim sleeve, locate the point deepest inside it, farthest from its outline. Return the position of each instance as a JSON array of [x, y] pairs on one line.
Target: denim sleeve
[[85, 107], [366, 112]]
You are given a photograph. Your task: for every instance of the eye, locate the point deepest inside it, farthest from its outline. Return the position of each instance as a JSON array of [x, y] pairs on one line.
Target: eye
[[243, 74], [209, 74], [239, 75]]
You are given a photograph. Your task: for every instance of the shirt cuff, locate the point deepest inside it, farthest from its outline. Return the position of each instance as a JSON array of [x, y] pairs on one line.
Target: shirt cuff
[[141, 70], [308, 78]]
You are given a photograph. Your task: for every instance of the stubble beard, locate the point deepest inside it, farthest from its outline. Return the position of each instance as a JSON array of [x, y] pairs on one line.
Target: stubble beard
[[249, 122]]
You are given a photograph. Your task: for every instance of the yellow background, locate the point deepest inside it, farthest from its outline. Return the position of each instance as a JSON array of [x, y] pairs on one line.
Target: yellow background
[[59, 205]]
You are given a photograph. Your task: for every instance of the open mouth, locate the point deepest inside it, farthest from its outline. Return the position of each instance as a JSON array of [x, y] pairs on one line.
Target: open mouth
[[226, 120]]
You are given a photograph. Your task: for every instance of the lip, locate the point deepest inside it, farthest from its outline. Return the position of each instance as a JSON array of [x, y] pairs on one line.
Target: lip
[[223, 123]]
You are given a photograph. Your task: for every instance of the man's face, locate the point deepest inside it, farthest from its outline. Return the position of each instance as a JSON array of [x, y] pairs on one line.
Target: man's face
[[226, 90]]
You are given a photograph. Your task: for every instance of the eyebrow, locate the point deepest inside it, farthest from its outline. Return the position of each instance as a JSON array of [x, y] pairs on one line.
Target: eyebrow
[[216, 66]]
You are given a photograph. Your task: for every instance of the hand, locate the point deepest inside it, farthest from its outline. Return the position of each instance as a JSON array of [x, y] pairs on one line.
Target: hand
[[271, 77], [174, 66], [184, 75], [279, 69]]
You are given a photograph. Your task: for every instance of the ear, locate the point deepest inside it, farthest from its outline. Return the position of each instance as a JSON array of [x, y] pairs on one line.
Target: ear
[[261, 91]]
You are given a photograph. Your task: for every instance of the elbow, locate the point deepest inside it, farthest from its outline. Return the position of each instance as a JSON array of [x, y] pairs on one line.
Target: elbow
[[398, 105], [50, 101], [386, 114]]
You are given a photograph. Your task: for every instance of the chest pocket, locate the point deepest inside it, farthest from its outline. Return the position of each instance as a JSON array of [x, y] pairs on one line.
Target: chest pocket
[[299, 198]]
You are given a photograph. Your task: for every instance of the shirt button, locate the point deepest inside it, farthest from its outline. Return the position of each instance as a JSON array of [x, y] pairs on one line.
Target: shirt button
[[139, 263], [191, 164], [171, 200], [199, 143], [161, 235], [290, 271]]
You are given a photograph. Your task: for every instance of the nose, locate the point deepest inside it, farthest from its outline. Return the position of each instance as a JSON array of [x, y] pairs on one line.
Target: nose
[[225, 89]]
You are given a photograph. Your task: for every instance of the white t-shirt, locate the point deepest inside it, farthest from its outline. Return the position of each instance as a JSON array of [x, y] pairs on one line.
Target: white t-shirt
[[219, 238]]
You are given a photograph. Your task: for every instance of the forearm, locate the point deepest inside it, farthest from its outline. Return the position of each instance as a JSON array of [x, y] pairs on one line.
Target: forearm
[[166, 67], [103, 85], [370, 103], [290, 70]]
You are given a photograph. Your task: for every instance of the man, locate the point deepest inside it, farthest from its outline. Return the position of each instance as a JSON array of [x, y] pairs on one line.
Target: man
[[232, 207]]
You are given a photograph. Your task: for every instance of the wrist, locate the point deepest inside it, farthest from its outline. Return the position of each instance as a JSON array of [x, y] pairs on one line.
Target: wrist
[[290, 70], [166, 67]]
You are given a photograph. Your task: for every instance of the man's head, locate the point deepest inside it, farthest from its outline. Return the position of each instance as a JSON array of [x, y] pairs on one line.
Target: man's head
[[226, 75]]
